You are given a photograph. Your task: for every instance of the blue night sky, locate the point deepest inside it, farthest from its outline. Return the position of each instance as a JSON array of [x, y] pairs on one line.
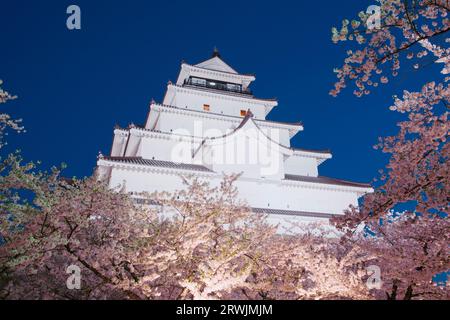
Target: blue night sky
[[74, 86]]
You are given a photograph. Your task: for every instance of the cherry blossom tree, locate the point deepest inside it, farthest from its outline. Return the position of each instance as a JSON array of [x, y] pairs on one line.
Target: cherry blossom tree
[[197, 243], [412, 246], [402, 29], [201, 243], [5, 119], [309, 265], [409, 250]]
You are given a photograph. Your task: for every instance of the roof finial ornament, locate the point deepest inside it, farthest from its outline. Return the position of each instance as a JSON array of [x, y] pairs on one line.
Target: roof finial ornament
[[216, 53]]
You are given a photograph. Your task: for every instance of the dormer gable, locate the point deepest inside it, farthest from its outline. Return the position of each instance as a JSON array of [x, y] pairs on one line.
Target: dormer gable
[[216, 63]]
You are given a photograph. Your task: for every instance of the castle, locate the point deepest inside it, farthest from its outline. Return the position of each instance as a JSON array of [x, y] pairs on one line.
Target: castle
[[210, 124]]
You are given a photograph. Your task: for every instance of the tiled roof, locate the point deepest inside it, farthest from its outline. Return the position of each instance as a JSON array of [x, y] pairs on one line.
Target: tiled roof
[[157, 163], [326, 180], [292, 213]]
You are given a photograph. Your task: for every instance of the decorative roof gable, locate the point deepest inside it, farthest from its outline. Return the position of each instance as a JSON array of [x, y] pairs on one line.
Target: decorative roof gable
[[249, 128], [216, 64]]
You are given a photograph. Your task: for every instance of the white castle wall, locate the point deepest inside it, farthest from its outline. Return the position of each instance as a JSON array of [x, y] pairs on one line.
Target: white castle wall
[[279, 195], [200, 125], [166, 150], [187, 117], [219, 103], [301, 166], [169, 147]]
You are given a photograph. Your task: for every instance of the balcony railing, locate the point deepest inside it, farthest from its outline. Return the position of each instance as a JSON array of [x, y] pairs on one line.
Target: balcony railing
[[217, 86]]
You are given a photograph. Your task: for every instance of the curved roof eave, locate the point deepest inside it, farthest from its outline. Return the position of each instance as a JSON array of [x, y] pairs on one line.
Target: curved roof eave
[[249, 117]]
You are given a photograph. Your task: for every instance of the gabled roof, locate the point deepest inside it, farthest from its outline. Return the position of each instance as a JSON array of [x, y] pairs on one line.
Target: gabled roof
[[217, 64], [214, 68], [249, 123], [249, 119]]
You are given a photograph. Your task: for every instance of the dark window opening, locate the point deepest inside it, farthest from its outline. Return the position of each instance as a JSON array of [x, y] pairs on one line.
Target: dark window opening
[[214, 84]]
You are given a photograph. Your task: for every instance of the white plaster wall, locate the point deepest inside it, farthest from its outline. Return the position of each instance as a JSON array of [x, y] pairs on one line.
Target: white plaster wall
[[283, 136], [268, 194], [219, 103], [246, 154], [170, 149], [193, 125], [132, 146], [118, 145], [285, 224], [301, 166], [259, 194], [138, 181], [296, 224]]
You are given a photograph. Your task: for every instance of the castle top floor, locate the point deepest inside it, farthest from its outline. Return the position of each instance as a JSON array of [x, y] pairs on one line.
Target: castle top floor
[[213, 86]]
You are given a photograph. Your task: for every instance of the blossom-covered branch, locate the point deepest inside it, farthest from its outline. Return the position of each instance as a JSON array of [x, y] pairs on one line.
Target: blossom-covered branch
[[5, 119], [413, 29]]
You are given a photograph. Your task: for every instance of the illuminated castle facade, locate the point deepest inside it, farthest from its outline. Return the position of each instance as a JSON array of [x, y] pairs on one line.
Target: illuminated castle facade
[[210, 124]]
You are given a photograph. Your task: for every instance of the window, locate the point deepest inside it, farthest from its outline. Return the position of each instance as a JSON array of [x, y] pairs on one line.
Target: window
[[206, 107], [243, 113], [233, 87], [198, 81], [214, 84]]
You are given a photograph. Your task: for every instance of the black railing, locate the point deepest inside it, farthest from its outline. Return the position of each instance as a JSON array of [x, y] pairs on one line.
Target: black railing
[[217, 86]]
